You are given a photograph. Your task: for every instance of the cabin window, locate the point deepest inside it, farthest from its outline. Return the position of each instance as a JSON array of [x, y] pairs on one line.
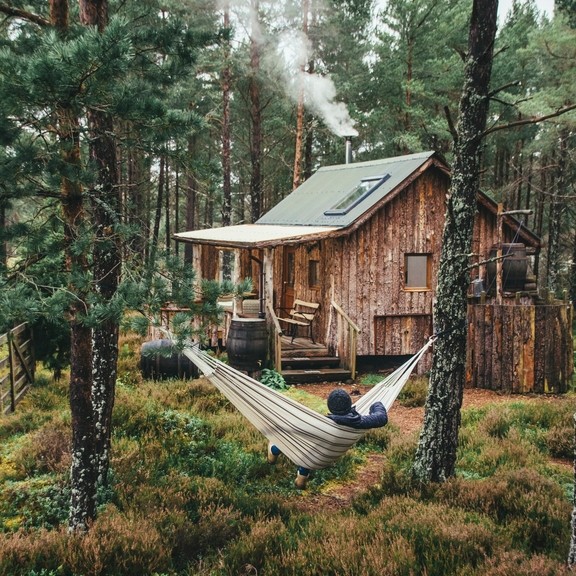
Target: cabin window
[[357, 195], [417, 271], [313, 273]]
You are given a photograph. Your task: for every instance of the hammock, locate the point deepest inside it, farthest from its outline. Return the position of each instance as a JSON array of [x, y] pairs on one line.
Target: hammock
[[307, 438]]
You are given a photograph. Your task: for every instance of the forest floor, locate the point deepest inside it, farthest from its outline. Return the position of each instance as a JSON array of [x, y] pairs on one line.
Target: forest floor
[[408, 421]]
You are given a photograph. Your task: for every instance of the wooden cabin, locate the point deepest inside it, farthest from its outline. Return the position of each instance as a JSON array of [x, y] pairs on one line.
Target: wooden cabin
[[363, 240]]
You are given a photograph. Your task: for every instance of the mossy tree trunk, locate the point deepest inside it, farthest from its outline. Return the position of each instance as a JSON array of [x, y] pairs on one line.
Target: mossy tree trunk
[[436, 454], [83, 474]]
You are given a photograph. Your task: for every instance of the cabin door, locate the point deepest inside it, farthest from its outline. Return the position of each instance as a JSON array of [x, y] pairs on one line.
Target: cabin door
[[288, 276]]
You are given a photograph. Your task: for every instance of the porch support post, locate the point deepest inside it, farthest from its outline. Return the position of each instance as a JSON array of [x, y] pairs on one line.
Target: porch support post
[[273, 325], [196, 265], [269, 275]]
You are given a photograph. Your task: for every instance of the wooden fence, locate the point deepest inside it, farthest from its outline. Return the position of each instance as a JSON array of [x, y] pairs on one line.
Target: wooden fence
[[520, 348], [16, 366]]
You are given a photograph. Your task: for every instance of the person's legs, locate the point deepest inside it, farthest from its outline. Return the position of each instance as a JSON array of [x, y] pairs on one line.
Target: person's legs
[[273, 453], [302, 476]]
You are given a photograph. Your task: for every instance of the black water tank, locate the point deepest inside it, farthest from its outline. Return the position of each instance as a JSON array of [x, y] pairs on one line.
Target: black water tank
[[514, 268], [247, 343], [158, 363]]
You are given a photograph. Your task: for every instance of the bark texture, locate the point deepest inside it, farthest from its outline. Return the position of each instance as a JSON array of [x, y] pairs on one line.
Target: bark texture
[[107, 266], [436, 454]]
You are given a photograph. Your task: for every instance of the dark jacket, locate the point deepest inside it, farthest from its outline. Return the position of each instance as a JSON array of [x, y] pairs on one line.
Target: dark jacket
[[375, 419]]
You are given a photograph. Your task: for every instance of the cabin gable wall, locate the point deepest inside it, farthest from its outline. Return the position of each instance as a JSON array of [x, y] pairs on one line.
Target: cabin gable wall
[[364, 272]]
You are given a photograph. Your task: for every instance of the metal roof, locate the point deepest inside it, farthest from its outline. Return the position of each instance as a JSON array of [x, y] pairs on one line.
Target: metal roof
[[331, 185], [253, 235]]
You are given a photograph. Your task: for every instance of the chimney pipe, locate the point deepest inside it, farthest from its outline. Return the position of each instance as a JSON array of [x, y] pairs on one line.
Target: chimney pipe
[[348, 159]]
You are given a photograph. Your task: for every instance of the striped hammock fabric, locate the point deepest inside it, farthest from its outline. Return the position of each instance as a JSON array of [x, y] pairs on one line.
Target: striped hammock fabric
[[307, 438]]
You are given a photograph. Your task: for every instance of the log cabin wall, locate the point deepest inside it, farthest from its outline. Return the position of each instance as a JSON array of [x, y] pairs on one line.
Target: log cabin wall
[[364, 271], [520, 348]]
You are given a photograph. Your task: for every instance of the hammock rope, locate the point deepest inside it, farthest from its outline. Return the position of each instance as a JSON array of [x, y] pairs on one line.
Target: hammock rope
[[307, 438]]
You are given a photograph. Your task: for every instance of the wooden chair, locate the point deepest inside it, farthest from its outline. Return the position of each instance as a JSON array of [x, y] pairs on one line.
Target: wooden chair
[[301, 314]]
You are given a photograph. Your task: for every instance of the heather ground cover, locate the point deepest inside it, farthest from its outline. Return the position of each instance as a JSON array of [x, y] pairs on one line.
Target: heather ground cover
[[192, 492]]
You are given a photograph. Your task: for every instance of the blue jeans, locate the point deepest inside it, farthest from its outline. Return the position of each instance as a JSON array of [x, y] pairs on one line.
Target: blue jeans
[[301, 470]]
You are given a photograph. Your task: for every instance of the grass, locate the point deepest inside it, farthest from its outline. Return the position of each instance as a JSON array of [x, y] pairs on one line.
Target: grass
[[192, 494]]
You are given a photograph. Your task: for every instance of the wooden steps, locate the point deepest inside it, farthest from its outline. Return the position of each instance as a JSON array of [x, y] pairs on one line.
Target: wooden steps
[[304, 362]]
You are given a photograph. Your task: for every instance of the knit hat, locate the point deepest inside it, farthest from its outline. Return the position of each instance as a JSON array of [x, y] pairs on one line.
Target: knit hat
[[339, 402]]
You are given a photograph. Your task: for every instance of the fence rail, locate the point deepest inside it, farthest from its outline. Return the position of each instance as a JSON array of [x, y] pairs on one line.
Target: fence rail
[[16, 366]]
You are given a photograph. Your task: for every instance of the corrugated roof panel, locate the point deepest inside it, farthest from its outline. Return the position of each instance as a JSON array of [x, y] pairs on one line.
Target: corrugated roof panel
[[252, 235], [307, 205]]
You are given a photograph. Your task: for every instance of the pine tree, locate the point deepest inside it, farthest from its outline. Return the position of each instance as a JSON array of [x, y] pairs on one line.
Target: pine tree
[[73, 80], [436, 453]]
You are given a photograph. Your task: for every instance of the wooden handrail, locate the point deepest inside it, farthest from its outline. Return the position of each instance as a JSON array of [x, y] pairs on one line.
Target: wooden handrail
[[346, 317], [353, 331], [277, 333]]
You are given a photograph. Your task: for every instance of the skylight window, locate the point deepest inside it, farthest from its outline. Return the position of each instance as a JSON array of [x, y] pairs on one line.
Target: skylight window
[[357, 195]]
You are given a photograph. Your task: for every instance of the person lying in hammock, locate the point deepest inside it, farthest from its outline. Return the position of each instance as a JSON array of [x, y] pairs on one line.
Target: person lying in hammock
[[342, 412]]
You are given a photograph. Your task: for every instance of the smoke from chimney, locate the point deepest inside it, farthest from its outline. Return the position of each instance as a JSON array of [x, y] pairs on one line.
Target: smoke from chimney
[[293, 51], [319, 92]]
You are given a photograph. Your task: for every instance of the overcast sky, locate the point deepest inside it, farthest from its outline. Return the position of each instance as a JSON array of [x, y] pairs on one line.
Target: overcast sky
[[546, 6]]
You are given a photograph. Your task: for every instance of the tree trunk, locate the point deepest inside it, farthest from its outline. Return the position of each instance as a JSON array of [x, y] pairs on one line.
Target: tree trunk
[[191, 196], [256, 118], [167, 218], [557, 209], [107, 264], [157, 216], [107, 260], [436, 454], [83, 471], [298, 145], [136, 197], [226, 146]]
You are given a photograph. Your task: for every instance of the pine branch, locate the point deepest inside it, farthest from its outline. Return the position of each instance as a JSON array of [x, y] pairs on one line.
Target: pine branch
[[25, 15], [451, 126], [531, 120]]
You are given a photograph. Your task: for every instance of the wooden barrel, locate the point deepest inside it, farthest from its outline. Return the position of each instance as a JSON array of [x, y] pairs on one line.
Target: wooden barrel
[[514, 268], [247, 343], [158, 362]]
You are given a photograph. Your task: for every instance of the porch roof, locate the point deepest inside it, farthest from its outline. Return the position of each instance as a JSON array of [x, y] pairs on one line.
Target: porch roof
[[255, 235]]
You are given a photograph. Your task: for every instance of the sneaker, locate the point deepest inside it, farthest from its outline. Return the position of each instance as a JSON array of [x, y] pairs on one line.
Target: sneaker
[[273, 453], [301, 480]]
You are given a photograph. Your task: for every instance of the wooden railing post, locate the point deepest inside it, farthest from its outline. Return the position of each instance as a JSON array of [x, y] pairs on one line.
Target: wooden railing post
[[277, 333], [12, 357], [353, 331]]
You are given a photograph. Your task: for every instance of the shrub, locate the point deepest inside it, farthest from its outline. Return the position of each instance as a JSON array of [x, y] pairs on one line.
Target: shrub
[[414, 392], [560, 441], [531, 509], [514, 563], [444, 540], [117, 545], [48, 450], [496, 422], [35, 551], [333, 545], [273, 380], [258, 547], [190, 537], [481, 456]]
